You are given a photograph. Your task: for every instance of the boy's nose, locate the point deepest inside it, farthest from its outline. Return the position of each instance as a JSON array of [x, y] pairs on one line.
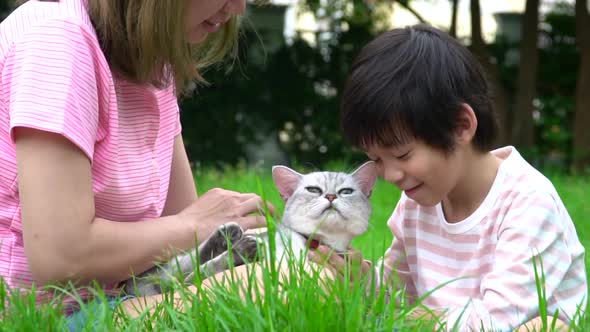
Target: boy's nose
[[393, 175], [235, 7]]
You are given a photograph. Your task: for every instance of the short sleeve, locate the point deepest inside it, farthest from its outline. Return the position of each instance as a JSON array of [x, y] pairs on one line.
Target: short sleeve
[[176, 108], [50, 79], [178, 125]]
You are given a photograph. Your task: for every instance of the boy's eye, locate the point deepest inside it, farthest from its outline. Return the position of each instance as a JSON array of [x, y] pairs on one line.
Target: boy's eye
[[375, 160], [403, 156], [314, 190], [345, 191]]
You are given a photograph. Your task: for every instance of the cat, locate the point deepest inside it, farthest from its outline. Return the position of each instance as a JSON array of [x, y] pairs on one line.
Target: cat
[[329, 208]]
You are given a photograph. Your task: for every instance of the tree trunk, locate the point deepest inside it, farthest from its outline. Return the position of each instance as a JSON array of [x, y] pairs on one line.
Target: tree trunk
[[581, 144], [406, 6], [453, 28], [523, 128], [493, 74]]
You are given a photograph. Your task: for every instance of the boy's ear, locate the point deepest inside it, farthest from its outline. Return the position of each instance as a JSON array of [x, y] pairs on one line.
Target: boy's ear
[[466, 124]]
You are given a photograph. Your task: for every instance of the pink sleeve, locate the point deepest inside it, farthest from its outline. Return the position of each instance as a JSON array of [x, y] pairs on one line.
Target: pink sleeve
[[177, 123], [50, 78]]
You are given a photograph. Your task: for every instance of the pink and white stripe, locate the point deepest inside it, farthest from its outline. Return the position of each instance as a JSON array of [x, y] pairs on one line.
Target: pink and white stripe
[[491, 252], [54, 77]]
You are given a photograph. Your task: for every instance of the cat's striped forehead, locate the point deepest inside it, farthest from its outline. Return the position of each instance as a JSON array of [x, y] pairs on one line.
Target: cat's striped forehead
[[328, 180]]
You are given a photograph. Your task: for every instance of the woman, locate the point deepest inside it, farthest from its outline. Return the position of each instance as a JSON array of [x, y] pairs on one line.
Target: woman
[[95, 181]]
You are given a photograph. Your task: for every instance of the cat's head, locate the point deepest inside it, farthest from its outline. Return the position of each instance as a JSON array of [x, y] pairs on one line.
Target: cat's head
[[333, 207]]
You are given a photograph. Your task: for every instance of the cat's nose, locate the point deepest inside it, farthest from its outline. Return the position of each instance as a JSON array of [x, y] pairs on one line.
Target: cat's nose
[[330, 197]]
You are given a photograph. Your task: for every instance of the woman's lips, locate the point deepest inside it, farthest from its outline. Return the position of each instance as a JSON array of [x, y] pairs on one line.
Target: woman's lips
[[211, 26]]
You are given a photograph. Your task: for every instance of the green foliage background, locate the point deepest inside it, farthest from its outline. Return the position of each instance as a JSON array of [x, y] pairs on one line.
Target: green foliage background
[[296, 87]]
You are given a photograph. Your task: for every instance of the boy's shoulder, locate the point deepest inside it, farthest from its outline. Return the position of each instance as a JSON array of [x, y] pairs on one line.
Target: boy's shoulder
[[524, 188], [517, 181], [518, 177]]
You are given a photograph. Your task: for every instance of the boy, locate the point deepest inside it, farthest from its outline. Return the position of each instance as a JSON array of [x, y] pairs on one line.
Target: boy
[[418, 104]]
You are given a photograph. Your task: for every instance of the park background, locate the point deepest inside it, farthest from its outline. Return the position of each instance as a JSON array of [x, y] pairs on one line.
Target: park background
[[280, 104], [280, 101]]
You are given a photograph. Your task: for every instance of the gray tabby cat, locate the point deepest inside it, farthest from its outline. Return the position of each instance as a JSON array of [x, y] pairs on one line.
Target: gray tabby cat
[[330, 208]]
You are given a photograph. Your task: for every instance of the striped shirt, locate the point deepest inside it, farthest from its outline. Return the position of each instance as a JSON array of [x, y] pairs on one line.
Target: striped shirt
[[480, 270], [55, 78]]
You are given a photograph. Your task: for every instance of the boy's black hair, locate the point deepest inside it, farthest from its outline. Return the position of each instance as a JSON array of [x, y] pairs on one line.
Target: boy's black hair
[[409, 83]]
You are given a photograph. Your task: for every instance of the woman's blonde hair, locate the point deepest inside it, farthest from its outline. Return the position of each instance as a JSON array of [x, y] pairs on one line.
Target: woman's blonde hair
[[145, 41]]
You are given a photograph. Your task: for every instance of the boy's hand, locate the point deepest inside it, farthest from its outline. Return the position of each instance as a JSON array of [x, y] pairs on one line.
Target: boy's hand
[[349, 265]]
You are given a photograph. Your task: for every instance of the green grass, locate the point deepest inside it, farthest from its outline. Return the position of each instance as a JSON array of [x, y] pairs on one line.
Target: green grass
[[300, 303]]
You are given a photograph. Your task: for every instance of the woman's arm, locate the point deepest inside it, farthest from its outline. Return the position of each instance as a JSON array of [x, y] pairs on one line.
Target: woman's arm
[[181, 190], [65, 241]]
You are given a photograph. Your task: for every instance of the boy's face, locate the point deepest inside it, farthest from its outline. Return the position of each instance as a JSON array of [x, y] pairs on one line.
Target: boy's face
[[425, 174]]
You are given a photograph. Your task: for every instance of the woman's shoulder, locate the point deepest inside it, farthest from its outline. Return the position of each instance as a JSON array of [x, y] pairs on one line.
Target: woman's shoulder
[[50, 35], [46, 20]]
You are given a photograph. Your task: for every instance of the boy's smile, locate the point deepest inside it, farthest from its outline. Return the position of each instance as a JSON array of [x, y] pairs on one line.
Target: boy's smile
[[459, 179], [412, 191], [425, 174]]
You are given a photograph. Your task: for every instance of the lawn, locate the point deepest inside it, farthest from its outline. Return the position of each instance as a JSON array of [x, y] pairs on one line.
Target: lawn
[[297, 303], [574, 191]]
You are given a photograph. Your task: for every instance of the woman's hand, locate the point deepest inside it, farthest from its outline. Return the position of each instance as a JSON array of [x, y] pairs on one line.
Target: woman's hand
[[220, 206], [349, 265], [64, 239]]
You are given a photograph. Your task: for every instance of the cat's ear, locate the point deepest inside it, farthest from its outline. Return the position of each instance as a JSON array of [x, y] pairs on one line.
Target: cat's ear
[[286, 180], [366, 176]]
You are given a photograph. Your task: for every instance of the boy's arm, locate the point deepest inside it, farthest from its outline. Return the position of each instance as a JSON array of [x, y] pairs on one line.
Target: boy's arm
[[532, 234]]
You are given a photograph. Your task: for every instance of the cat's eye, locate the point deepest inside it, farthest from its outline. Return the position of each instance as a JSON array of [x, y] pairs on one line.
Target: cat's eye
[[345, 191], [314, 190]]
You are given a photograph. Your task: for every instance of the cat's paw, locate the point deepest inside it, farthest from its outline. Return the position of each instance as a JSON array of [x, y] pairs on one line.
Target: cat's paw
[[231, 232], [218, 241], [246, 249]]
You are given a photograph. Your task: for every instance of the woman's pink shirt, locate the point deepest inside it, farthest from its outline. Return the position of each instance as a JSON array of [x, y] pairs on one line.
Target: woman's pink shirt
[[55, 78]]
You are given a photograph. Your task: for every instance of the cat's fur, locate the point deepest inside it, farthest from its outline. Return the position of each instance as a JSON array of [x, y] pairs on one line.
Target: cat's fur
[[329, 207]]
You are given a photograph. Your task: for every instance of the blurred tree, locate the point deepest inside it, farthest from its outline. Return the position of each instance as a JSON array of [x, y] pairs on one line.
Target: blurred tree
[[480, 49], [453, 26], [553, 104], [284, 96], [406, 5], [556, 85], [522, 128], [289, 96], [581, 144], [5, 7]]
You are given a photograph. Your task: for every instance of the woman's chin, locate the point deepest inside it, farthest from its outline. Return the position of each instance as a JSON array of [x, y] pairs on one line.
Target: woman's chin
[[197, 36]]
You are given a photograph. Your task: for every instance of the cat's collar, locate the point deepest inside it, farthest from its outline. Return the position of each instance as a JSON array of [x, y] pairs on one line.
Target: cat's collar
[[310, 242]]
